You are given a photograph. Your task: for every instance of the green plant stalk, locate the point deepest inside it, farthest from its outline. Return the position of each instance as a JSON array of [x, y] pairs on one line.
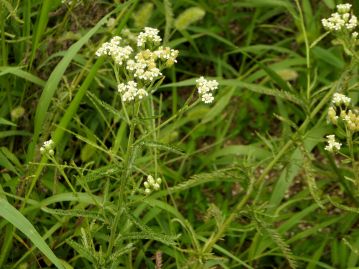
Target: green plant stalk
[[3, 44], [123, 180], [7, 243], [352, 156], [180, 112], [307, 47], [40, 29], [58, 166], [220, 233]]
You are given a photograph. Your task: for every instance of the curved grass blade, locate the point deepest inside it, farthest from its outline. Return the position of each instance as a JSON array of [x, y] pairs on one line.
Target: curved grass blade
[[12, 215], [17, 71]]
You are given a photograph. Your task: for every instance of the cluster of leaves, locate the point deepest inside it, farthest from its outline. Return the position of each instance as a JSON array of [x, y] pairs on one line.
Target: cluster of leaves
[[247, 183]]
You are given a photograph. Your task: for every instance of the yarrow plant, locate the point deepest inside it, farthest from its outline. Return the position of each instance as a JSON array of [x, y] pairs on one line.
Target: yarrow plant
[[342, 113], [138, 62]]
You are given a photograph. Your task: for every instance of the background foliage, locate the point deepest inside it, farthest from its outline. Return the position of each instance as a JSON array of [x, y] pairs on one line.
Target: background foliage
[[247, 183]]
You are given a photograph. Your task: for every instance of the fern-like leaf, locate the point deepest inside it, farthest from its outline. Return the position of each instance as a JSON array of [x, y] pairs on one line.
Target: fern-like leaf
[[277, 239]]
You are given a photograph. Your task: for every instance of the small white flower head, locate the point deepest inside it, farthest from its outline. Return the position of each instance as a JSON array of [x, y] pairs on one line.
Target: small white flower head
[[108, 48], [147, 185], [344, 8], [151, 184], [48, 147], [148, 191], [130, 91], [122, 54], [206, 88], [167, 55], [141, 93], [150, 180], [339, 99], [122, 88], [332, 144], [352, 24], [149, 35], [114, 49]]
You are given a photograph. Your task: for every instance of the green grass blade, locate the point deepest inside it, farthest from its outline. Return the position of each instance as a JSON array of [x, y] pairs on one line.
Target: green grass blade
[[41, 24], [16, 71], [12, 215]]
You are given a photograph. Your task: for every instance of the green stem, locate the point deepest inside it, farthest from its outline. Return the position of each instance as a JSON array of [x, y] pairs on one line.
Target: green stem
[[307, 47], [124, 178], [62, 172], [352, 157], [179, 113]]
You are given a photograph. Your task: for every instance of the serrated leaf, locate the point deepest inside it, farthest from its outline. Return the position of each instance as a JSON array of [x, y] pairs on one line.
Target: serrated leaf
[[163, 146], [81, 250], [102, 172], [115, 256], [344, 207], [146, 232], [93, 98], [74, 213]]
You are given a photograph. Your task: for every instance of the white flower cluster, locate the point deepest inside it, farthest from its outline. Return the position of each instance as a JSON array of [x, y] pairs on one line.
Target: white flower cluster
[[337, 112], [342, 20], [113, 49], [332, 144], [206, 88], [130, 91], [142, 66], [152, 184], [48, 147], [149, 35], [339, 99], [351, 119]]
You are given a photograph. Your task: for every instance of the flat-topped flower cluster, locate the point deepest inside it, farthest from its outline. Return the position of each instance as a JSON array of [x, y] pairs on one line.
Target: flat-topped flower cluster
[[342, 21], [142, 62]]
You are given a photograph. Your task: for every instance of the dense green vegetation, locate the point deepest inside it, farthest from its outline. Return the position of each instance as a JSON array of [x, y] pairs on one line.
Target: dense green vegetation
[[91, 178]]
